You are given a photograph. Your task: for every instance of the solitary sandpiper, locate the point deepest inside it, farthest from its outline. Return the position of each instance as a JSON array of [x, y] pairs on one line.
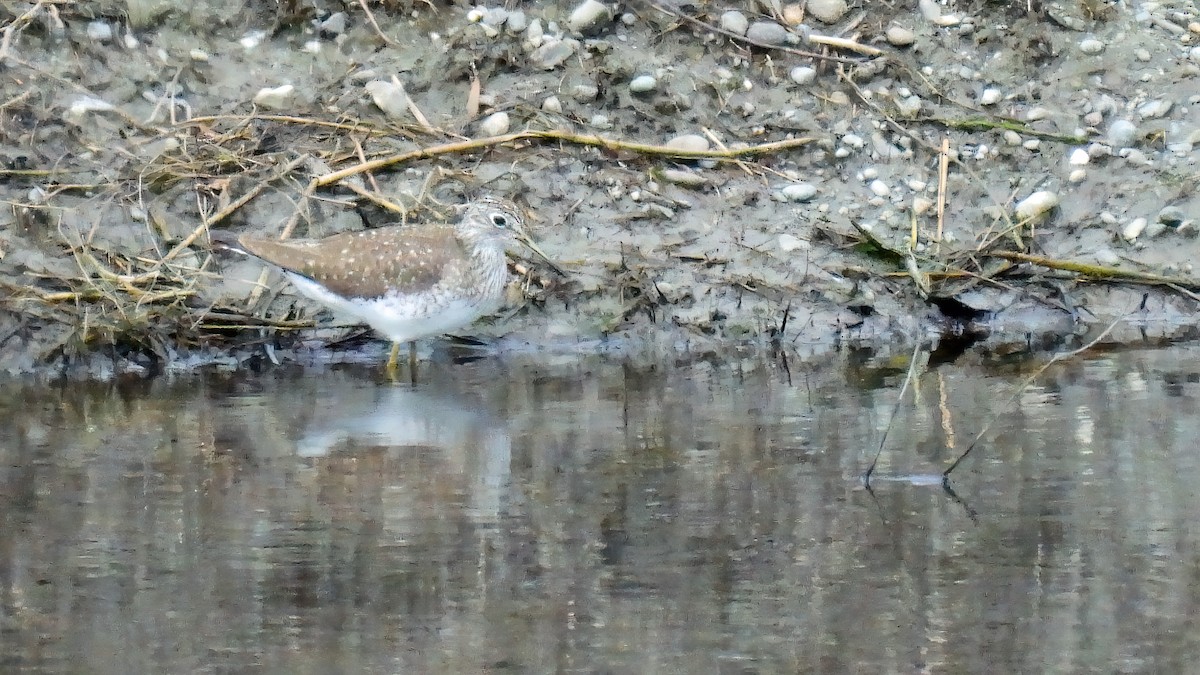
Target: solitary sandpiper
[[405, 281]]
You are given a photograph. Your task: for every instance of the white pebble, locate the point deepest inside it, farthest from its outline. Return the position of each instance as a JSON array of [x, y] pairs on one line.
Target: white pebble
[[252, 39], [587, 15], [790, 242], [735, 22], [898, 36], [799, 192], [1038, 113], [1091, 46], [1106, 256], [1032, 144], [803, 74], [198, 55], [553, 52], [1036, 205], [1134, 229], [1154, 109], [930, 10], [495, 124], [854, 141], [689, 143], [990, 96], [1011, 137], [1079, 157], [388, 97], [552, 105], [517, 22], [1142, 55], [600, 121], [869, 173], [767, 33], [1077, 176], [827, 11], [275, 98], [921, 205], [99, 31], [642, 84], [880, 188]]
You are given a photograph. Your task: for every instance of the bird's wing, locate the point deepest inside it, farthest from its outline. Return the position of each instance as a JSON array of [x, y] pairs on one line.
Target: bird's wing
[[371, 262]]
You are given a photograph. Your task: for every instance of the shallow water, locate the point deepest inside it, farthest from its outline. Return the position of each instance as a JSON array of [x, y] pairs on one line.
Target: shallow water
[[592, 515]]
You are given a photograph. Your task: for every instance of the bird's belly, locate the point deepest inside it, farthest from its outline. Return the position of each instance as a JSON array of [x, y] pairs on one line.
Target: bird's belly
[[400, 317]]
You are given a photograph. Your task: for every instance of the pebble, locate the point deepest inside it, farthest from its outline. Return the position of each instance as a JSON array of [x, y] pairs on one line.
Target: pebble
[[495, 124], [99, 31], [1142, 55], [198, 55], [898, 36], [803, 74], [684, 177], [275, 98], [1036, 205], [1156, 108], [1077, 176], [534, 34], [553, 52], [1106, 256], [880, 188], [517, 21], [908, 107], [1172, 216], [1032, 144], [990, 96], [1134, 229], [767, 33], [389, 97], [335, 24], [930, 10], [689, 143], [1012, 138], [1038, 113], [1079, 157], [1091, 46], [790, 242], [827, 11], [252, 39], [854, 141], [735, 22], [552, 105], [1093, 119], [585, 92], [587, 15], [600, 121], [921, 205], [799, 192], [642, 84]]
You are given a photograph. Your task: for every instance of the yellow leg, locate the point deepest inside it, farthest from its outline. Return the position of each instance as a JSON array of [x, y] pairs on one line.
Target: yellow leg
[[392, 360]]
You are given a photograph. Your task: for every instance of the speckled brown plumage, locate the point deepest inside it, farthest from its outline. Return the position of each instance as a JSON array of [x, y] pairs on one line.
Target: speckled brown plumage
[[406, 281]]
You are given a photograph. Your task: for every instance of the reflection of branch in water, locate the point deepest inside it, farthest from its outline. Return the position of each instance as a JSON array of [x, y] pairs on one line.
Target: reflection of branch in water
[[1020, 390], [912, 369]]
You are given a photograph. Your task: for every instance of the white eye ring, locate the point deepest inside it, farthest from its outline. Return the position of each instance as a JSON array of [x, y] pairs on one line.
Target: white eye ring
[[499, 220]]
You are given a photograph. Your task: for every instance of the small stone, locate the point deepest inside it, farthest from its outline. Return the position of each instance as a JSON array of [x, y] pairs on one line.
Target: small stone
[[1032, 144], [689, 143], [1142, 55], [494, 16], [99, 31], [275, 98], [793, 14], [1012, 138], [1079, 157], [198, 55], [1156, 108], [803, 74], [1093, 119], [854, 141], [388, 97], [517, 22], [1134, 229], [767, 33], [735, 22], [790, 242], [990, 96], [588, 15], [898, 36], [1036, 205], [1038, 113], [585, 92], [930, 10], [685, 178], [642, 84], [599, 121], [1077, 176], [799, 192], [252, 39], [1106, 256], [921, 205], [335, 24], [880, 188], [1091, 46], [495, 124], [827, 11], [1171, 216], [552, 105], [553, 52]]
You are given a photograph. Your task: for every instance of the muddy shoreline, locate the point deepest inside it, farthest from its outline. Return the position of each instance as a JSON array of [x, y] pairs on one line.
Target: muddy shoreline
[[895, 210]]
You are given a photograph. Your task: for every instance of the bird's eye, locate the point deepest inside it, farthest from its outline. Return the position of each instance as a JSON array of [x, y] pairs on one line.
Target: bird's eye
[[499, 220]]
